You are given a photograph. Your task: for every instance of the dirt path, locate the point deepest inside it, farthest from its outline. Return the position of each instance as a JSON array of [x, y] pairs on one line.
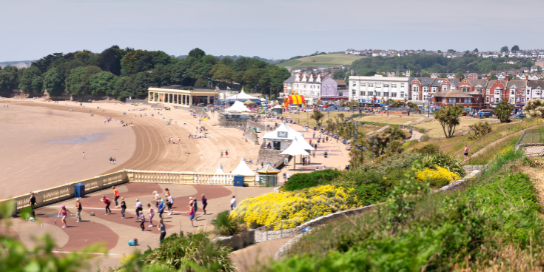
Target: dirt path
[[249, 258], [481, 151]]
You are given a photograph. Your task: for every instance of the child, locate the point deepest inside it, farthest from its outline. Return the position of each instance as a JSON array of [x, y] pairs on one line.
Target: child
[[151, 214], [142, 221]]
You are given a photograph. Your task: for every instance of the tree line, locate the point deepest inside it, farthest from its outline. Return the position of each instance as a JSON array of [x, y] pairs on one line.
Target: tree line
[[423, 64], [122, 73]]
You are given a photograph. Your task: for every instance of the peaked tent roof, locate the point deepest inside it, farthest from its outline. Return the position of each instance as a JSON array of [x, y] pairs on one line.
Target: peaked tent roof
[[243, 169], [242, 96], [305, 145], [295, 149], [238, 106], [269, 169], [219, 169], [282, 133]]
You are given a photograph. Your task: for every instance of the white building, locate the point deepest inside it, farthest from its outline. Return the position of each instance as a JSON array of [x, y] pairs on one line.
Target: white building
[[366, 88], [309, 86]]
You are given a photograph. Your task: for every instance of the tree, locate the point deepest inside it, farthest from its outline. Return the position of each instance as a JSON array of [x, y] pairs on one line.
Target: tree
[[448, 116], [451, 51], [459, 75], [340, 74], [515, 48], [102, 83], [425, 74], [503, 110], [110, 60], [8, 79], [493, 76], [504, 49], [475, 50], [54, 82], [197, 53], [317, 116], [26, 80], [78, 82], [442, 75]]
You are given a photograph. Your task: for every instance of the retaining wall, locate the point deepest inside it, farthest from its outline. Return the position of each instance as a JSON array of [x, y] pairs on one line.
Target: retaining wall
[[251, 135], [271, 156], [237, 241]]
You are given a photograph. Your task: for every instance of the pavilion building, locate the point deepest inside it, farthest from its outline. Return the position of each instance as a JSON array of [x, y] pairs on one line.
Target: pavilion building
[[178, 96]]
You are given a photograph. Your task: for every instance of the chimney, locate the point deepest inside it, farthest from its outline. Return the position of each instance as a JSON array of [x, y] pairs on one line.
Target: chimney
[[507, 77], [487, 77]]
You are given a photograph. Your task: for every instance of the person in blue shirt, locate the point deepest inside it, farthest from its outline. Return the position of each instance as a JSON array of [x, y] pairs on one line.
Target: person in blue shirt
[[161, 208]]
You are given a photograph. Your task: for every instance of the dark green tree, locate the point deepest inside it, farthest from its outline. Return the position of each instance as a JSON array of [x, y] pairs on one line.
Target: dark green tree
[[459, 75], [53, 82], [442, 75], [504, 49], [340, 74], [503, 110], [515, 48], [8, 79], [448, 116], [493, 76], [110, 60], [28, 82], [102, 83]]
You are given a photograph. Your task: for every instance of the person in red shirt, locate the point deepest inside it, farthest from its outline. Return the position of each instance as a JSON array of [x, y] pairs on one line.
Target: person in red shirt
[[107, 202], [117, 195]]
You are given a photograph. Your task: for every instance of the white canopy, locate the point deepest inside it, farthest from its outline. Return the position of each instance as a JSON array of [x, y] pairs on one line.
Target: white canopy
[[238, 107], [277, 107], [295, 149], [305, 145], [282, 134], [242, 95], [219, 169], [243, 169]]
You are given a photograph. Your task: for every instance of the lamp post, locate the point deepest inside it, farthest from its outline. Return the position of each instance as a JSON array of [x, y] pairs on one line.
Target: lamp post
[[428, 105]]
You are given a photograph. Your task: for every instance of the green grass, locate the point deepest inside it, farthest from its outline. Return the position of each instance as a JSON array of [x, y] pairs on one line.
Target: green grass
[[321, 60]]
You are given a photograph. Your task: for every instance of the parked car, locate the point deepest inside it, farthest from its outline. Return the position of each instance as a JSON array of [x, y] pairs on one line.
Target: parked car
[[486, 113]]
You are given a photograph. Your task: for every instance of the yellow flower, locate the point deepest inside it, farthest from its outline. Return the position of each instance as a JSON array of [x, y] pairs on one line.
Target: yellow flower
[[439, 173]]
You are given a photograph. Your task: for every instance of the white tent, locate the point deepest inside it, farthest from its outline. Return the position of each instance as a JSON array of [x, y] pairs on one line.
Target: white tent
[[305, 145], [219, 169], [242, 96], [238, 107], [295, 149], [281, 134], [243, 169]]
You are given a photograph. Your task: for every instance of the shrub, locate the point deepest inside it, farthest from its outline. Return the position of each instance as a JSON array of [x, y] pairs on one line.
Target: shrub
[[451, 163], [186, 250], [225, 225], [428, 149], [478, 130], [422, 130], [437, 176], [294, 208], [306, 180]]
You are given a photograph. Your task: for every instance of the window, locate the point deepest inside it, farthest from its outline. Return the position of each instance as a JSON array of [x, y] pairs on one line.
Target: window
[[523, 100], [370, 84], [386, 94], [487, 91], [393, 85], [415, 97], [378, 85], [393, 94], [467, 101], [378, 93], [425, 89], [415, 88], [512, 91], [487, 99], [444, 88], [434, 89], [362, 93], [402, 95], [340, 93], [497, 91], [497, 100], [354, 84], [528, 91], [363, 84], [402, 85], [451, 100], [537, 92], [353, 92]]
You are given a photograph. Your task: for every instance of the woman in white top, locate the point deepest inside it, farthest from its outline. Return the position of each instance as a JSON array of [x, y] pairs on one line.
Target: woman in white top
[[156, 196]]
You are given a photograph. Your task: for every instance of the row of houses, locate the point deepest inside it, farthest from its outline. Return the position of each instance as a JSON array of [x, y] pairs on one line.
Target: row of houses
[[530, 54], [315, 87]]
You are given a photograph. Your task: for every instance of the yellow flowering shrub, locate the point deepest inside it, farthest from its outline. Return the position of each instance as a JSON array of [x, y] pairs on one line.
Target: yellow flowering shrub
[[439, 173], [294, 207]]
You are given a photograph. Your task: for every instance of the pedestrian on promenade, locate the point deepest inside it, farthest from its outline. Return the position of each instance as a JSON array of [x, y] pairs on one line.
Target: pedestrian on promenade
[[111, 160], [226, 153], [191, 215], [284, 177], [161, 207], [142, 221], [195, 205], [117, 195], [123, 207], [466, 152], [107, 202], [204, 203], [79, 207], [138, 208], [162, 229], [114, 161], [221, 153], [233, 203], [156, 197], [83, 154], [63, 211], [169, 204], [151, 214], [32, 202], [166, 192]]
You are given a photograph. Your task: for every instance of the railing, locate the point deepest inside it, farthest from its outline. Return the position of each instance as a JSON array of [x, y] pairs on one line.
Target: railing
[[531, 137], [182, 177], [266, 233], [498, 134]]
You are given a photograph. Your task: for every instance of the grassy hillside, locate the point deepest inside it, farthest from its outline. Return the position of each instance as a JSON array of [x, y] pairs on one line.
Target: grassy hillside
[[328, 60]]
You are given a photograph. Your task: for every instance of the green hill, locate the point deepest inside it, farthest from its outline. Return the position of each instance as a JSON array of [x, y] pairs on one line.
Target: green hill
[[321, 60]]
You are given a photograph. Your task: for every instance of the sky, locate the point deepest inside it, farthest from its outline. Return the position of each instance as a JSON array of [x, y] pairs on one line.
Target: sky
[[270, 29]]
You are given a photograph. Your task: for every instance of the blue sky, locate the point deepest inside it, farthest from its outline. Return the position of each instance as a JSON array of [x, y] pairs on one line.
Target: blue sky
[[270, 29]]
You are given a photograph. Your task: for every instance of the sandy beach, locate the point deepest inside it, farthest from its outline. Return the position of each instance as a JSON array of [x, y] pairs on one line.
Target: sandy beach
[[42, 143]]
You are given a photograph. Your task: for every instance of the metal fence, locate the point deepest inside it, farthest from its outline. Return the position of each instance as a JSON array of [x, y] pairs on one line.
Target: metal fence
[[531, 137]]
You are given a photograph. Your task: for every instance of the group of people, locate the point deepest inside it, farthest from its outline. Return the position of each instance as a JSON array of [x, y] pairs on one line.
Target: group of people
[[113, 160]]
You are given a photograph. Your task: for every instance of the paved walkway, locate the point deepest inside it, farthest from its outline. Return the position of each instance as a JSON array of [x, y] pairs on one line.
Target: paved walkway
[[113, 232]]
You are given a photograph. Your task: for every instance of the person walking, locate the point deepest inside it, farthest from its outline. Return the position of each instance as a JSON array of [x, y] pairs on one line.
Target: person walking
[[79, 207], [123, 207], [156, 197], [204, 203], [138, 208], [151, 214], [466, 152], [64, 212], [83, 154], [142, 221], [107, 202], [111, 160], [32, 202], [195, 206], [114, 161], [161, 208], [162, 229], [117, 195], [191, 215], [226, 153], [233, 203], [170, 202]]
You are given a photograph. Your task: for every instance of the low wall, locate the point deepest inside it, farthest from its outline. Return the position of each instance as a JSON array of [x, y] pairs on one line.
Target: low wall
[[200, 112], [231, 123], [251, 135], [258, 125], [271, 156], [237, 241]]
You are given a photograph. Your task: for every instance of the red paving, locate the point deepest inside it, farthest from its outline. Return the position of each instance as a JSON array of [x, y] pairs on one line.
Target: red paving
[[89, 232]]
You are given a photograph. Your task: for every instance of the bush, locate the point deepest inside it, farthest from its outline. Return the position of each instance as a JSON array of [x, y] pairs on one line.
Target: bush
[[226, 226], [294, 208], [451, 163], [437, 176], [306, 180], [184, 251], [428, 149], [478, 130], [422, 130]]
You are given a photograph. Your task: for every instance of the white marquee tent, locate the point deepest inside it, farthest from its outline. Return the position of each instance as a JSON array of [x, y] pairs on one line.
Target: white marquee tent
[[243, 169], [295, 149], [238, 107], [219, 169]]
